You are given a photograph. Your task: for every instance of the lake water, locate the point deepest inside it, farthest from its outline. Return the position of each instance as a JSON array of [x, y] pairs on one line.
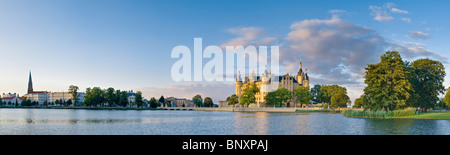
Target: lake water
[[145, 122]]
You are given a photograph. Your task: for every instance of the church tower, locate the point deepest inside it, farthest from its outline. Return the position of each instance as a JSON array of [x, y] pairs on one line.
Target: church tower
[[30, 85]]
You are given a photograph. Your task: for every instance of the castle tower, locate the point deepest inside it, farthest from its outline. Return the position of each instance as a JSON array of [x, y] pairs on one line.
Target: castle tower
[[30, 85], [306, 78], [299, 76], [238, 84]]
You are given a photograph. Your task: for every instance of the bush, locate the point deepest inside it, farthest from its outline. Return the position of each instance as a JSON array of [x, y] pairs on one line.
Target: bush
[[380, 114]]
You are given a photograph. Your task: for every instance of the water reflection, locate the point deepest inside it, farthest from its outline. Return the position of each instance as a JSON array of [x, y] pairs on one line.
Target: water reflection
[[59, 121]]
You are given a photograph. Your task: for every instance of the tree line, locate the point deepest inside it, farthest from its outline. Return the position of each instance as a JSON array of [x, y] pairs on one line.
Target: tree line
[[331, 95], [394, 84]]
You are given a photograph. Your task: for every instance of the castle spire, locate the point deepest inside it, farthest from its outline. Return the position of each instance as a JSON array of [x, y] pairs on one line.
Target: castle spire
[[30, 85]]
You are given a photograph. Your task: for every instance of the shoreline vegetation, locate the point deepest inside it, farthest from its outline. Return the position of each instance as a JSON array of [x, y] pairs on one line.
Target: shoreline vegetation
[[408, 113]]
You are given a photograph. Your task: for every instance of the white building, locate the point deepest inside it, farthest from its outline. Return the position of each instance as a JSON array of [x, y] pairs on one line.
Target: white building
[[42, 96]]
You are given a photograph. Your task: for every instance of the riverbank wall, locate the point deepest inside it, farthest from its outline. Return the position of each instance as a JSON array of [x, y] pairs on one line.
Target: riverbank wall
[[244, 109]]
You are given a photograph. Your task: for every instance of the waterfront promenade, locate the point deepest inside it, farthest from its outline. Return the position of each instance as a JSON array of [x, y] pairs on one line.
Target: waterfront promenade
[[239, 109]]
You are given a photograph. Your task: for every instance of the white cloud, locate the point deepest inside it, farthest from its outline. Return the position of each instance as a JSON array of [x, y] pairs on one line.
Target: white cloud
[[406, 20], [395, 10], [380, 14], [419, 35], [383, 13], [248, 36]]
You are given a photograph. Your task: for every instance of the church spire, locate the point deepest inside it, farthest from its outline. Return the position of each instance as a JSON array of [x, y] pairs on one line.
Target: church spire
[[30, 85]]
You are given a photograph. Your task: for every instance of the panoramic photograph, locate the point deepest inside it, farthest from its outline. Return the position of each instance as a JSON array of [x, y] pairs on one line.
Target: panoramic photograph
[[224, 67]]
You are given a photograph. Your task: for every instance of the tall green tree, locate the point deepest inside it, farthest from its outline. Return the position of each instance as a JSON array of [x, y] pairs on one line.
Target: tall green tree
[[361, 101], [153, 103], [303, 95], [271, 98], [426, 77], [340, 99], [327, 91], [387, 86], [162, 100], [138, 99], [123, 99], [248, 95], [198, 100], [117, 94], [447, 97], [316, 94], [208, 102], [74, 91], [110, 96], [233, 99]]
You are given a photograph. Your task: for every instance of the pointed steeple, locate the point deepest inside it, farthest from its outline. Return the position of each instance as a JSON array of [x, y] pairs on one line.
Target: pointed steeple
[[30, 85]]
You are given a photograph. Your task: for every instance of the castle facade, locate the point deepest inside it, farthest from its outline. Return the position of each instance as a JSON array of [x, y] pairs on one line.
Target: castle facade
[[268, 83]]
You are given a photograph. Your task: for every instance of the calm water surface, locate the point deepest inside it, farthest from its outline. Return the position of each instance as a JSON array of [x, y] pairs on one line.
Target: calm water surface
[[128, 122]]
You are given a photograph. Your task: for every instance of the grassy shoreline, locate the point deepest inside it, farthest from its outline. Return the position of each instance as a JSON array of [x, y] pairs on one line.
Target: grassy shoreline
[[408, 113]]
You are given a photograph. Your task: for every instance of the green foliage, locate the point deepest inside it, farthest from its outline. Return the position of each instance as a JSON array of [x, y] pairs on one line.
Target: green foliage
[[198, 100], [447, 97], [361, 101], [303, 95], [74, 91], [110, 96], [387, 86], [325, 105], [281, 96], [328, 91], [208, 102], [123, 101], [162, 100], [94, 96], [340, 99], [153, 103], [138, 99], [316, 94], [380, 113], [426, 77], [233, 99], [248, 95]]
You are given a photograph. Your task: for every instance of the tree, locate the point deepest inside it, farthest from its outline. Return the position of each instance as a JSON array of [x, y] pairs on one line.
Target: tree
[[139, 100], [327, 91], [271, 98], [197, 99], [117, 95], [123, 98], [74, 91], [153, 103], [426, 77], [94, 96], [208, 102], [162, 100], [387, 86], [447, 97], [303, 95], [361, 101], [283, 95], [110, 96], [248, 95], [340, 99], [316, 94], [233, 99], [69, 102]]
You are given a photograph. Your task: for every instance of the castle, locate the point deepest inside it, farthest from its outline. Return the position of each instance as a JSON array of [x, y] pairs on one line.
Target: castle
[[268, 82]]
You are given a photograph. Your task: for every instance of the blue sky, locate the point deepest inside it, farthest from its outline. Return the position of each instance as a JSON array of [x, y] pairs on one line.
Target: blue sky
[[127, 44]]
